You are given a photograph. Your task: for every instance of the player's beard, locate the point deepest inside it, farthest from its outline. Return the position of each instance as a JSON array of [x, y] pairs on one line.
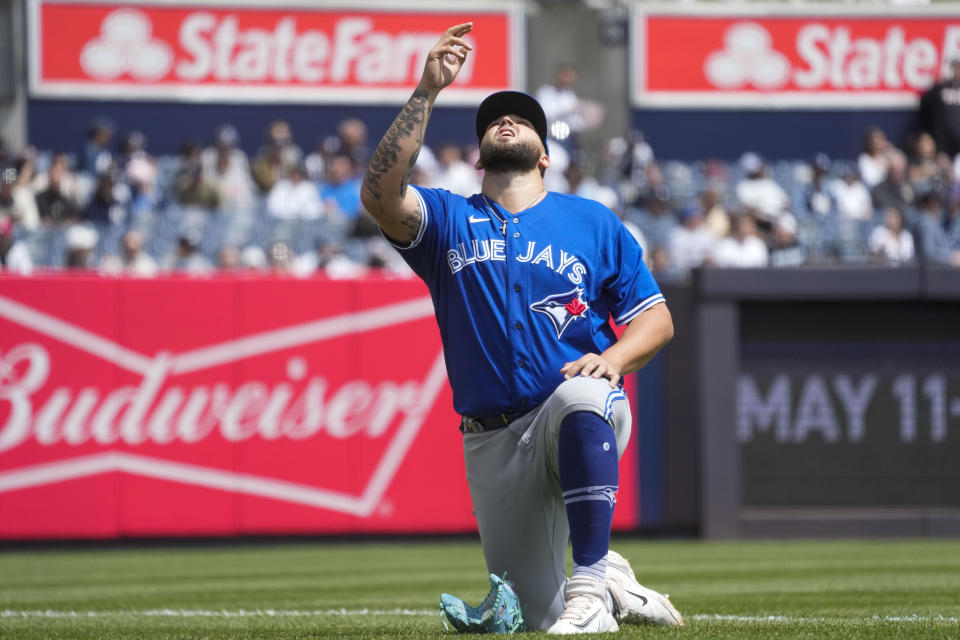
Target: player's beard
[[509, 157]]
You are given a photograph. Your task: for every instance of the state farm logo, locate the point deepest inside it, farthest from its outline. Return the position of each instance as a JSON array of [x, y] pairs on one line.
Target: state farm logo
[[748, 58], [213, 46], [125, 46], [161, 410], [828, 55]]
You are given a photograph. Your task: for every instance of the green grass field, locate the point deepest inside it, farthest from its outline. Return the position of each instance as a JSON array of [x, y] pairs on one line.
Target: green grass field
[[742, 590]]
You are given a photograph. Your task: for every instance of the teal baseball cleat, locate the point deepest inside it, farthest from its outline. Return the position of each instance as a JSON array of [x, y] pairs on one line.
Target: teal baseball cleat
[[499, 612]]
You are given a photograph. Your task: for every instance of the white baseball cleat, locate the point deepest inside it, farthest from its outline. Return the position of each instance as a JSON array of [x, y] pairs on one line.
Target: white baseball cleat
[[633, 603], [585, 610]]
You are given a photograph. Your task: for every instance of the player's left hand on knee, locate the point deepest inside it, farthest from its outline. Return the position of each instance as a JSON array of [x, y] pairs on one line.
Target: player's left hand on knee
[[594, 366]]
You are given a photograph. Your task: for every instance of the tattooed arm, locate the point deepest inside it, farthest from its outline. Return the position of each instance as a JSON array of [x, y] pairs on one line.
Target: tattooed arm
[[384, 193]]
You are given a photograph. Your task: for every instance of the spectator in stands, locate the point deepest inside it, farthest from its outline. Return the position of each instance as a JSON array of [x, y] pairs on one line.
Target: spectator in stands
[[139, 171], [649, 186], [940, 111], [224, 152], [928, 170], [132, 260], [226, 169], [294, 197], [55, 203], [8, 178], [383, 257], [14, 254], [276, 157], [581, 182], [59, 172], [567, 114], [253, 258], [715, 215], [758, 194], [931, 236], [453, 173], [187, 258], [228, 258], [655, 220], [895, 191], [662, 268], [819, 197], [96, 156], [890, 242], [352, 139], [874, 158], [427, 167], [281, 259], [786, 250], [81, 243], [190, 186], [628, 155], [743, 248], [341, 192], [316, 162], [329, 259], [24, 209], [109, 202], [852, 196], [691, 243]]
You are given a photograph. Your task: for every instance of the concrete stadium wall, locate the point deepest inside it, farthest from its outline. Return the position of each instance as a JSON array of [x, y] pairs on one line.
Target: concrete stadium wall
[[828, 402]]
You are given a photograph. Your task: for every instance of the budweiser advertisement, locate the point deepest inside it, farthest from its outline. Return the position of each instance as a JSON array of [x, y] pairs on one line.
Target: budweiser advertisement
[[818, 56], [222, 406], [262, 52]]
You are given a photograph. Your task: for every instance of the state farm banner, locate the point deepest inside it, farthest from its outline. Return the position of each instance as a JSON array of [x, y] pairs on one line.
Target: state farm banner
[[221, 406], [254, 51], [760, 56]]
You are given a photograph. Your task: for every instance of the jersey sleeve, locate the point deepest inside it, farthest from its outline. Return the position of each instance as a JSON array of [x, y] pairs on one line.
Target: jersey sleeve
[[631, 290], [421, 253], [434, 206]]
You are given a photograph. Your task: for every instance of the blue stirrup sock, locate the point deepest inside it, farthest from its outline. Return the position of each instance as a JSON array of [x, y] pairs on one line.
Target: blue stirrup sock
[[589, 477]]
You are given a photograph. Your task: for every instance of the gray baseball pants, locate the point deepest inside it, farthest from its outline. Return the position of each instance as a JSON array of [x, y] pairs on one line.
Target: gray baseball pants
[[515, 486]]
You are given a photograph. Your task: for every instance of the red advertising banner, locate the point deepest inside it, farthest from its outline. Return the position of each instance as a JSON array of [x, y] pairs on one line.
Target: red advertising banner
[[816, 56], [217, 407], [260, 52]]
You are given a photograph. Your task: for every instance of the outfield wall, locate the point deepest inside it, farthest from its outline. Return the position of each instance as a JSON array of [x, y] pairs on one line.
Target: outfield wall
[[227, 406], [829, 402], [808, 402]]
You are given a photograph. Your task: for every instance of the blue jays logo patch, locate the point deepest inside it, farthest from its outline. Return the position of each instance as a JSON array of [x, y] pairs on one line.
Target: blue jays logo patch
[[562, 308]]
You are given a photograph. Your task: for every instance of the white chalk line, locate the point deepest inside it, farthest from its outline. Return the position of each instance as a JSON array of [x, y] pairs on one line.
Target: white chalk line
[[329, 613], [719, 617], [215, 613]]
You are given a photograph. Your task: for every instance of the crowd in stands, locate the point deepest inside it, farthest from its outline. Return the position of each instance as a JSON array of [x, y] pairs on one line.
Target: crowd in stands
[[116, 208]]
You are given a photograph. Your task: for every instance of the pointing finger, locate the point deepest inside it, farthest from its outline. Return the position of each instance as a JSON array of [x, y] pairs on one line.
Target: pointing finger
[[460, 29]]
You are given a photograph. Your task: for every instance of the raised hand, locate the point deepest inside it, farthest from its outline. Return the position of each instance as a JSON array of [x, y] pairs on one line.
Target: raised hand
[[446, 58]]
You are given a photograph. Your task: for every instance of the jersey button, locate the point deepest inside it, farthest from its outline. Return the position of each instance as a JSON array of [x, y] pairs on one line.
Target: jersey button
[[516, 234], [516, 288], [516, 220], [519, 325]]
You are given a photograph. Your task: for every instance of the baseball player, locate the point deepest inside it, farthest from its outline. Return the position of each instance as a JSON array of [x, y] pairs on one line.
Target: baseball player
[[524, 283]]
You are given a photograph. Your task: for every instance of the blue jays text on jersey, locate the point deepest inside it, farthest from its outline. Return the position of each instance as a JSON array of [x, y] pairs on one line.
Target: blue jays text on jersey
[[517, 295]]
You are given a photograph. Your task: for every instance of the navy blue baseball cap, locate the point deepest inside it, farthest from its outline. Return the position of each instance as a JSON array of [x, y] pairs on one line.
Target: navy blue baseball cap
[[516, 102]]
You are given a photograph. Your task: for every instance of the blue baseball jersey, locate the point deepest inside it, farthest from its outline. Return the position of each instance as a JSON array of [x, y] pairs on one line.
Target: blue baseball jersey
[[518, 295]]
